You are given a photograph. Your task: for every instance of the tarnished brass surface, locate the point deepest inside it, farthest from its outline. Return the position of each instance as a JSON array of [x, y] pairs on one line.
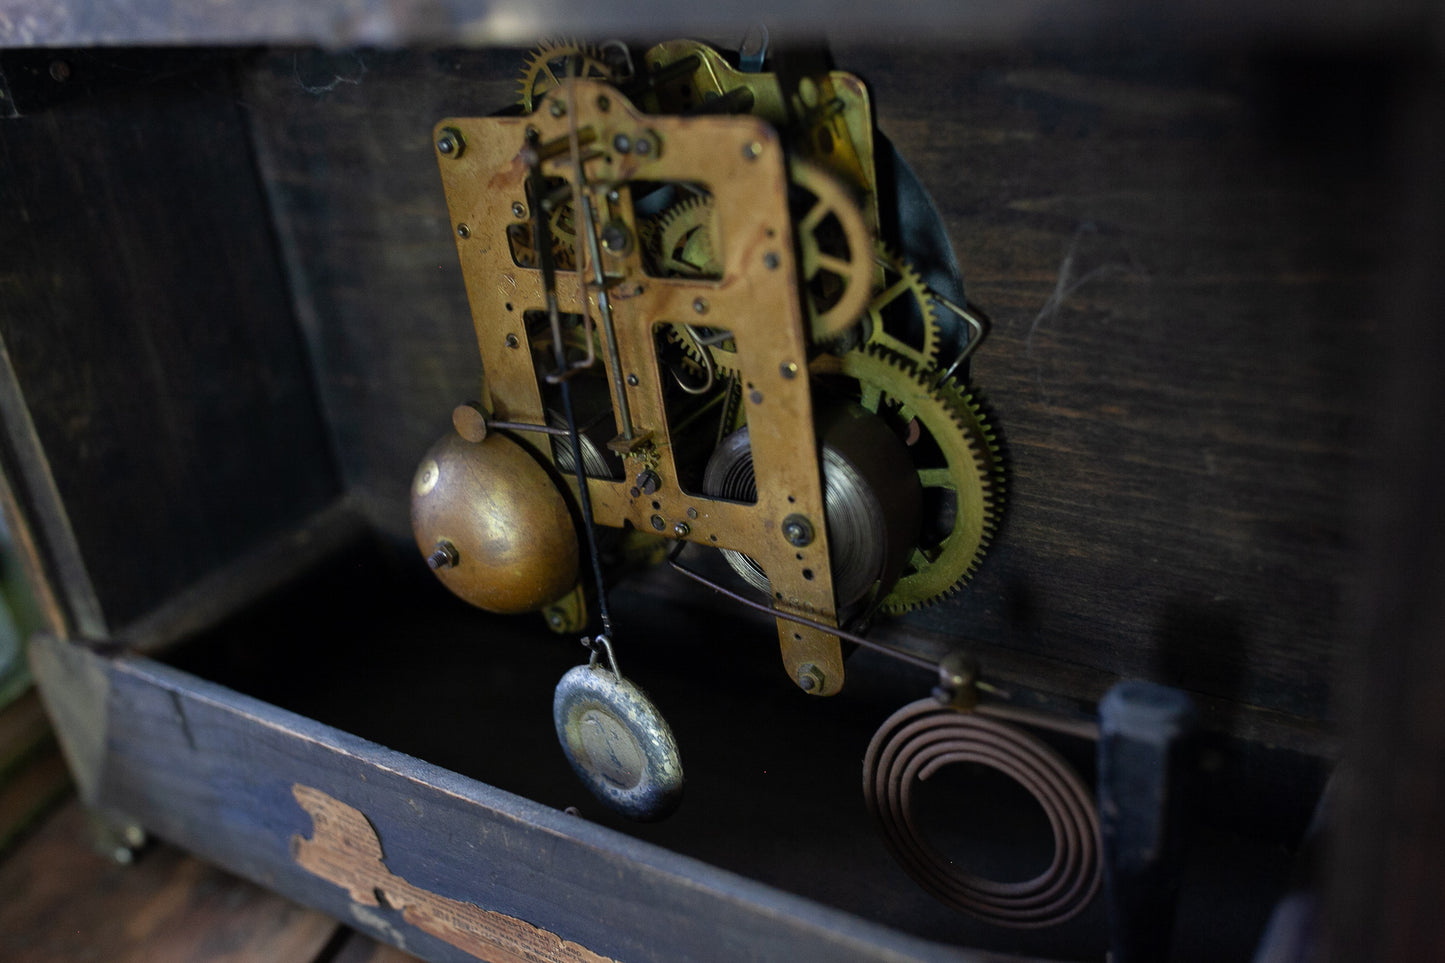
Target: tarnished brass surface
[[757, 298], [833, 110], [514, 546]]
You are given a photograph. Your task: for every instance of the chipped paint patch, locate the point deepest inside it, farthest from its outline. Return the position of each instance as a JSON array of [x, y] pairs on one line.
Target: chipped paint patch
[[344, 849]]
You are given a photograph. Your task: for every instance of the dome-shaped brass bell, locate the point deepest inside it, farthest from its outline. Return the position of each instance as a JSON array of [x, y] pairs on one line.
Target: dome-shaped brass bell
[[493, 524]]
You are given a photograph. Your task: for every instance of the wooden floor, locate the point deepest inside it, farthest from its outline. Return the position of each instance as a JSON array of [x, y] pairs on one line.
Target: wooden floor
[[61, 900]]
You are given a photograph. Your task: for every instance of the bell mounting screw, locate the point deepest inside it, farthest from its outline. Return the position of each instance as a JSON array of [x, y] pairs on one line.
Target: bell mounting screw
[[443, 556]]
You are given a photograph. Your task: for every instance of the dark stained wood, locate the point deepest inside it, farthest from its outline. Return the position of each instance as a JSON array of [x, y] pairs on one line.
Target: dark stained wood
[[147, 323], [338, 23], [45, 542], [253, 576], [65, 903], [363, 949], [344, 146], [1386, 871], [32, 771], [1179, 261], [1181, 292]]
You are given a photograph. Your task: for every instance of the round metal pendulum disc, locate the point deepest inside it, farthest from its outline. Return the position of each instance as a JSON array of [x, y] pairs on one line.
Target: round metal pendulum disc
[[618, 742]]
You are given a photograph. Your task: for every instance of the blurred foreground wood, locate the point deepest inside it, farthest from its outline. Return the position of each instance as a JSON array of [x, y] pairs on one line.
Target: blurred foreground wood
[[65, 902]]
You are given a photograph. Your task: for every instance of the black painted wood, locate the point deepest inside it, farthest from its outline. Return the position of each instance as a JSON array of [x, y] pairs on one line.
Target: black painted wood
[[213, 771], [150, 330]]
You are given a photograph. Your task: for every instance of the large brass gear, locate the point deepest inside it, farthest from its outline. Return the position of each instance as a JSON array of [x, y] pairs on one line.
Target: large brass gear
[[555, 61], [835, 251], [903, 316], [957, 453]]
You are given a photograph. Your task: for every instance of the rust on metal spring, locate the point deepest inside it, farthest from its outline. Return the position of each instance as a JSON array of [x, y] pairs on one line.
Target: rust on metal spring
[[921, 738]]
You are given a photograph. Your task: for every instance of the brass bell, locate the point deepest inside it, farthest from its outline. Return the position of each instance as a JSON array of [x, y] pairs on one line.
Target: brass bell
[[493, 524]]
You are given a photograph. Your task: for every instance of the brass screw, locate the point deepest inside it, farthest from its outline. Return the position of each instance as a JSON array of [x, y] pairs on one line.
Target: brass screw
[[512, 341], [518, 210], [649, 482], [632, 380], [681, 529], [463, 231]]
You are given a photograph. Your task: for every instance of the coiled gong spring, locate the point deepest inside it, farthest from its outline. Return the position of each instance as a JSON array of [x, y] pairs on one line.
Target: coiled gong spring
[[923, 737]]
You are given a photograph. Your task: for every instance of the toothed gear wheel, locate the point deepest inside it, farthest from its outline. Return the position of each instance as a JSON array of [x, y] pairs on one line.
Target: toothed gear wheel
[[724, 351], [956, 454], [903, 316], [681, 240], [835, 251], [562, 225], [685, 239], [553, 62]]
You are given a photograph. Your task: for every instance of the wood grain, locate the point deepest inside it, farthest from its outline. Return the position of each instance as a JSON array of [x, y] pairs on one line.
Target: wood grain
[[67, 903], [147, 321], [1181, 296]]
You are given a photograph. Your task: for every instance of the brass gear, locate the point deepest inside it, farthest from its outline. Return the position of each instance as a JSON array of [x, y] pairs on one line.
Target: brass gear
[[957, 452], [554, 61], [835, 251], [724, 352], [562, 225], [682, 246], [903, 316], [685, 245]]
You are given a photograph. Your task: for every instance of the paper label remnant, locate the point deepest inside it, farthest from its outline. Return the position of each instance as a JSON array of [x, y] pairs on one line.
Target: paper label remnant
[[344, 849]]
